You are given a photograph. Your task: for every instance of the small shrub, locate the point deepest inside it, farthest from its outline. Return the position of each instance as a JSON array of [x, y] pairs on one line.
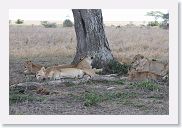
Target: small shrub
[[153, 23], [47, 24], [67, 23], [19, 21], [114, 67], [165, 22], [92, 98], [164, 25], [146, 85]]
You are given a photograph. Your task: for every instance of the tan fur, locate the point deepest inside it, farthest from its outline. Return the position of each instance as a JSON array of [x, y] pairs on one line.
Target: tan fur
[[71, 71], [66, 73], [62, 73], [137, 57], [125, 60], [31, 68], [143, 64], [144, 75], [143, 68], [83, 64]]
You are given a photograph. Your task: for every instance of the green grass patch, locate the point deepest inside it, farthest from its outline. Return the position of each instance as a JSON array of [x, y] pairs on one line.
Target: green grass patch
[[17, 96], [93, 98], [120, 95], [149, 85], [120, 82]]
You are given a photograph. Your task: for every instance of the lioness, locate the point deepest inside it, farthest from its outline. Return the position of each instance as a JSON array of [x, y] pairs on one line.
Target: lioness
[[58, 71], [56, 74], [31, 68], [142, 64], [143, 75], [85, 63]]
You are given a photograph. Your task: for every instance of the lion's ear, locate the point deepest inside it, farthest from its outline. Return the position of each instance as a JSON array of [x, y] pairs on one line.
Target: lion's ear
[[43, 68]]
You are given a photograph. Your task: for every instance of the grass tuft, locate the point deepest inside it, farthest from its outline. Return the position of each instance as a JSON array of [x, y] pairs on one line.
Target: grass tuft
[[146, 85], [92, 98], [17, 96]]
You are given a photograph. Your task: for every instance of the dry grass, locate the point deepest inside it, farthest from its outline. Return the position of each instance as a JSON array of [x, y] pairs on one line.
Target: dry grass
[[125, 42], [27, 41], [129, 41]]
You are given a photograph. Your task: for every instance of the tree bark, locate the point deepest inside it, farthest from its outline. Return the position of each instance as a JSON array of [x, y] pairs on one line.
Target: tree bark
[[91, 38]]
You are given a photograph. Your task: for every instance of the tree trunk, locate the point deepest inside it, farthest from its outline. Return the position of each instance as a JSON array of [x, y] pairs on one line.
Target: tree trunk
[[91, 38]]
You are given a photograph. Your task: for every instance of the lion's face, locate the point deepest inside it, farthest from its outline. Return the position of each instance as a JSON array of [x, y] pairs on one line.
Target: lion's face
[[139, 62], [87, 59], [41, 75], [27, 67], [138, 57]]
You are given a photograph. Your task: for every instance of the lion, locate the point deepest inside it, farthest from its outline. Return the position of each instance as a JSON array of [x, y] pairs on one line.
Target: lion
[[31, 68], [78, 70], [143, 75], [141, 64], [56, 74], [85, 63]]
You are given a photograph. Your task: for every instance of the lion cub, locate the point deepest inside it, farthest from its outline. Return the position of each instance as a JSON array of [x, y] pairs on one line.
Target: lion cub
[[31, 68]]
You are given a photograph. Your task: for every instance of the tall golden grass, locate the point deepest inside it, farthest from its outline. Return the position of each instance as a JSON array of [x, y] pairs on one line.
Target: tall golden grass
[[125, 42]]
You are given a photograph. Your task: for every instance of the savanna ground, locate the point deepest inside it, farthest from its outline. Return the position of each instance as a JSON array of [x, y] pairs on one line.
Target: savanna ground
[[49, 46]]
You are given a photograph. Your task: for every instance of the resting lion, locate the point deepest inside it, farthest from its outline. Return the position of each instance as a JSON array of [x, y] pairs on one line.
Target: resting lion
[[143, 75], [140, 64], [31, 68], [56, 74], [69, 71]]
